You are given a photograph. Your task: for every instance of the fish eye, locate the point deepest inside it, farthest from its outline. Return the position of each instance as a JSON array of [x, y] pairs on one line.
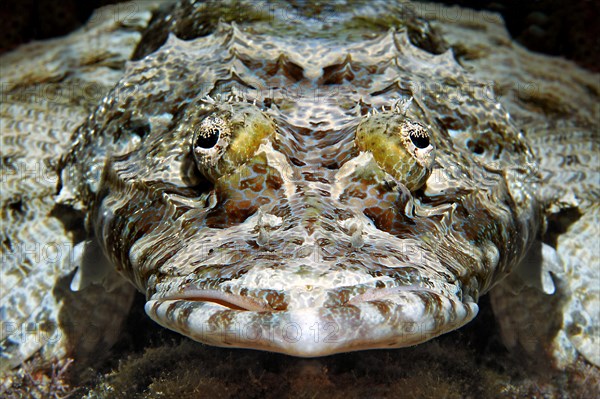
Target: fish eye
[[209, 132], [400, 146], [419, 139], [227, 137]]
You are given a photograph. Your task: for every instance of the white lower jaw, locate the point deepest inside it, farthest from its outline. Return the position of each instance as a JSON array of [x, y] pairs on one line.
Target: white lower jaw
[[403, 319]]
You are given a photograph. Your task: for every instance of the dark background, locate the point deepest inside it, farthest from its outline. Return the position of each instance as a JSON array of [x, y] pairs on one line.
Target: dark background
[[26, 20], [568, 28], [559, 27]]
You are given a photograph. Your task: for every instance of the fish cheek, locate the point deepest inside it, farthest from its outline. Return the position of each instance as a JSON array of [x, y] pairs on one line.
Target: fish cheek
[[240, 194], [372, 191]]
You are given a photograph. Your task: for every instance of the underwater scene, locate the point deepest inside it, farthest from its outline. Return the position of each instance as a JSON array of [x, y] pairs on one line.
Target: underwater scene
[[341, 199]]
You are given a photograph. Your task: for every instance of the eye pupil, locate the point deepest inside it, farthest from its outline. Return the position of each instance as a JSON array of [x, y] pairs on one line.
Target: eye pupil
[[208, 137], [419, 140]]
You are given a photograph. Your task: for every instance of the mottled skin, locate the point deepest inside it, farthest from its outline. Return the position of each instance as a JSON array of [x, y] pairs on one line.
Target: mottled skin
[[307, 224], [308, 190]]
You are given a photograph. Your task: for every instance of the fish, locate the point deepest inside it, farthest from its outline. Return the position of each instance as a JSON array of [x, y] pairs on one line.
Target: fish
[[309, 224], [304, 186]]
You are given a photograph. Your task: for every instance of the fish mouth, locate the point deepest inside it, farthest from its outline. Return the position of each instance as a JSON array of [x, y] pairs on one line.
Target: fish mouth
[[375, 319], [224, 299]]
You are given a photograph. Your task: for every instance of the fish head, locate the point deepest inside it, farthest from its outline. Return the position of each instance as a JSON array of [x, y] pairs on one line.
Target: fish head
[[307, 197]]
